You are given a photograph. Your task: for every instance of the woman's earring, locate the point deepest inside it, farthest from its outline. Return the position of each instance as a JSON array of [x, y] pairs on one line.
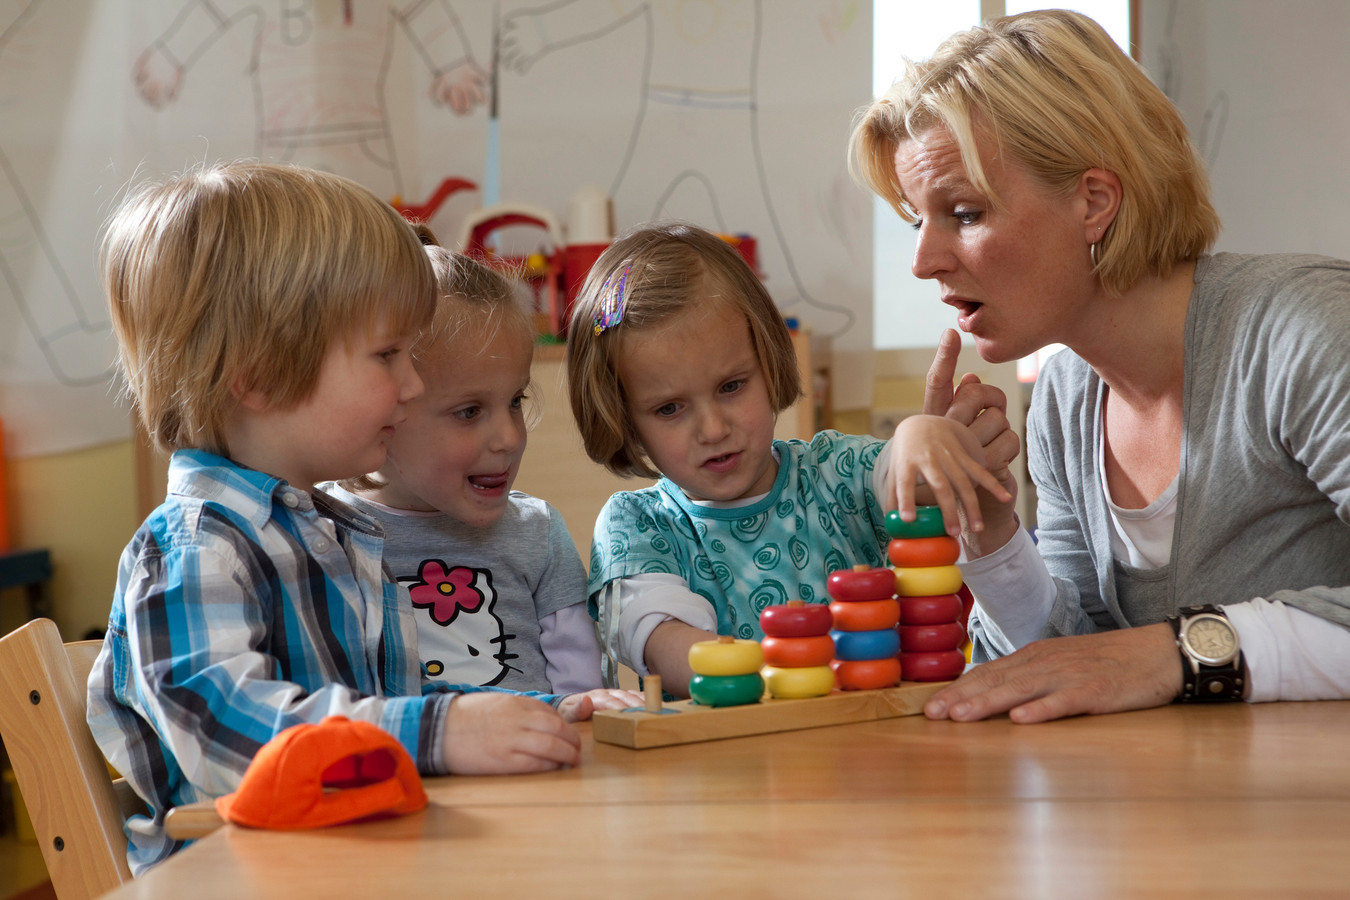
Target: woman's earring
[[1092, 251]]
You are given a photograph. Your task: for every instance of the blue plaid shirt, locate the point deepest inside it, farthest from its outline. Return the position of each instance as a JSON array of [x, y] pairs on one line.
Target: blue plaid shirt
[[244, 606]]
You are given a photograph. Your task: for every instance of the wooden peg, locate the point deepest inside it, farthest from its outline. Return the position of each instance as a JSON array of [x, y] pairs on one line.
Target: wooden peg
[[651, 687]]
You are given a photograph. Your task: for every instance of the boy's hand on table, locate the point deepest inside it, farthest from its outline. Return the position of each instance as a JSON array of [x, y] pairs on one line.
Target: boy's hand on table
[[506, 734]]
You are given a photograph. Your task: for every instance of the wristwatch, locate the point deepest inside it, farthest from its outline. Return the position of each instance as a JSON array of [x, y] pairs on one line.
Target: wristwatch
[[1213, 669]]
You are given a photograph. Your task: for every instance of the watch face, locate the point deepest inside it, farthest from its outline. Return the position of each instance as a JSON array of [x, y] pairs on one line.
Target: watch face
[[1210, 639]]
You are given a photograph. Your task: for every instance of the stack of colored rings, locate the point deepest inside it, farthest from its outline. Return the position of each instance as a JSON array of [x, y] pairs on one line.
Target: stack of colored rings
[[797, 650], [865, 639], [927, 582], [726, 672]]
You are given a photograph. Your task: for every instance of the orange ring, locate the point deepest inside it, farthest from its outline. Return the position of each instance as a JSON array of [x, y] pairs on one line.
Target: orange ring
[[865, 615], [912, 553], [798, 652], [931, 638], [867, 674]]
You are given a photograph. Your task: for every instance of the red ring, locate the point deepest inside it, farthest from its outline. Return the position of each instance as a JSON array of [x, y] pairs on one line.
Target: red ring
[[930, 610], [931, 638], [787, 621], [851, 585], [943, 665]]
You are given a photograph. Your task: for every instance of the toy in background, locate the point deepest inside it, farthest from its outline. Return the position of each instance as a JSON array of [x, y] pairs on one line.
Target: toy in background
[[798, 650], [928, 583], [865, 616], [553, 261], [423, 212], [527, 242]]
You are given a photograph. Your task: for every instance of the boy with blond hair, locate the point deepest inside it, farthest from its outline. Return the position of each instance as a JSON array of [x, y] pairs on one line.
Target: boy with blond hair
[[264, 315]]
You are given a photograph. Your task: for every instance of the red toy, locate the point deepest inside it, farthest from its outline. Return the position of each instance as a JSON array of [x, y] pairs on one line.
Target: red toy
[[930, 610], [861, 583], [942, 665], [929, 638], [796, 619]]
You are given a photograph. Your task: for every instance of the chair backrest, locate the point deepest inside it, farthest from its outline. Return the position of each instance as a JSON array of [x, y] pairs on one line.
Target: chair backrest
[[77, 811]]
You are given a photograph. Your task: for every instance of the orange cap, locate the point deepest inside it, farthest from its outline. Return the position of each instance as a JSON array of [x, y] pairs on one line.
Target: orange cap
[[311, 776]]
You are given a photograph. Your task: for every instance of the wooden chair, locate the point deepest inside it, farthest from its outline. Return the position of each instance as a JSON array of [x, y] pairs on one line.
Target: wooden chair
[[76, 807]]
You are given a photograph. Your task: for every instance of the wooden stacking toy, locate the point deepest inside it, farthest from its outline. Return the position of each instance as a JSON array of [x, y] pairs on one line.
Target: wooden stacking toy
[[726, 672], [927, 582], [865, 638], [797, 650]]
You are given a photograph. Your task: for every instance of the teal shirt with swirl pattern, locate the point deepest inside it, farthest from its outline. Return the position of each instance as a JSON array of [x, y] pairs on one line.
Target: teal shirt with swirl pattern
[[821, 515]]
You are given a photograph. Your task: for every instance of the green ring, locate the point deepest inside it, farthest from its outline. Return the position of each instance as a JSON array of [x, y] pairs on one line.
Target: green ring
[[726, 690], [927, 523]]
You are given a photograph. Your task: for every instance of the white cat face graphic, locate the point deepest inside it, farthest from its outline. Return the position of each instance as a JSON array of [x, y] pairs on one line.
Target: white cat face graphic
[[470, 645]]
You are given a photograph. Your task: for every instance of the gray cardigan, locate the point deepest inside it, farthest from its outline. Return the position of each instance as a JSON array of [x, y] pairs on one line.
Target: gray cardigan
[[1263, 500]]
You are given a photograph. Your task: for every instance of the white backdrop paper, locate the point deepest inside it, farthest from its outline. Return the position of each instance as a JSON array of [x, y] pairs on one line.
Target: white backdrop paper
[[732, 114]]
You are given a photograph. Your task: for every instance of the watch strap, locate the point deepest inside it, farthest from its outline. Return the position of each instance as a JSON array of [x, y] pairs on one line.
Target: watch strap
[[1203, 683]]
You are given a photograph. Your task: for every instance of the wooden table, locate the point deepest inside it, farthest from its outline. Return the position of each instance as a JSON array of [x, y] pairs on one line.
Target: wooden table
[[1222, 801]]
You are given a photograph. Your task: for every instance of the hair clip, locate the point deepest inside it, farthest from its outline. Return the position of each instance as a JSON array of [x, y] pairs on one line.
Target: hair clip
[[611, 301]]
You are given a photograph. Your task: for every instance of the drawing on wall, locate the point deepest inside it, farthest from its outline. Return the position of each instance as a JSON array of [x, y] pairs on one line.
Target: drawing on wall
[[76, 348], [318, 70], [704, 110], [696, 130]]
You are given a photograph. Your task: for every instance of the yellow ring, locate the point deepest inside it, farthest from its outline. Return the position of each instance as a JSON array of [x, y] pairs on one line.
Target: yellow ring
[[795, 684], [740, 657], [927, 581]]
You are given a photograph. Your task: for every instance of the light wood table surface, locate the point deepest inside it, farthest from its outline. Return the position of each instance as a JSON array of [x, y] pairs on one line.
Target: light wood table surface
[[1223, 801]]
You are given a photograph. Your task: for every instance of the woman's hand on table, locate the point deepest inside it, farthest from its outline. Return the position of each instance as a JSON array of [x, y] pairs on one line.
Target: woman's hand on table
[[1111, 671], [506, 734]]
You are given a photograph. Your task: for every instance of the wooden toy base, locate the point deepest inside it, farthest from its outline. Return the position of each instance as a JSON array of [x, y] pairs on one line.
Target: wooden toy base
[[686, 722]]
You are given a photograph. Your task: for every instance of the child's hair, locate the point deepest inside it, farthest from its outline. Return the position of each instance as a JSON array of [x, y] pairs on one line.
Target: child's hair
[[238, 276], [647, 277], [471, 296]]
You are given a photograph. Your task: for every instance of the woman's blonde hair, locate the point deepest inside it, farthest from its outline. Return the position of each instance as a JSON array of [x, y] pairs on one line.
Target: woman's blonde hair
[[1052, 91], [643, 279], [239, 276]]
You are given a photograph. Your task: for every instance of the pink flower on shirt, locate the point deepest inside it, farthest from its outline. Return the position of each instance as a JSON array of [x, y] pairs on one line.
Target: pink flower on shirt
[[445, 592]]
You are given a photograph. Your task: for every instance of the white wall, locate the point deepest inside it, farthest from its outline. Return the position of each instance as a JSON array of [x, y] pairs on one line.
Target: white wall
[[1263, 88]]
